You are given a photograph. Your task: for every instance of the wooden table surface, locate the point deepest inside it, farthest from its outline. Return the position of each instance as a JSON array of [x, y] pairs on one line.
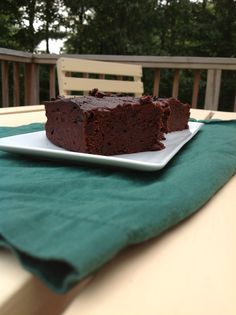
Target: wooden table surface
[[188, 270]]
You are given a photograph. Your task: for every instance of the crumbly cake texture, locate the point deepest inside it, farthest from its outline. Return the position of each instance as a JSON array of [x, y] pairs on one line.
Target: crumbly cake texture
[[105, 125], [111, 124], [176, 114]]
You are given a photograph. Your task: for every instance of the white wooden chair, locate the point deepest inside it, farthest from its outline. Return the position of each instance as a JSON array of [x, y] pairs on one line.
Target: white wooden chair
[[105, 76]]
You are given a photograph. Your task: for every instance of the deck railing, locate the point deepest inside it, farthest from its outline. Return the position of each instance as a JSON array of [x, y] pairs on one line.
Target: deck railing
[[31, 63]]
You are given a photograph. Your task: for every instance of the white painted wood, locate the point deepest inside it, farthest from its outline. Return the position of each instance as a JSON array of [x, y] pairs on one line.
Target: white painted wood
[[235, 102], [23, 294], [84, 84], [66, 67], [178, 267], [126, 62], [175, 86], [196, 82], [92, 66], [156, 83], [188, 270], [212, 89]]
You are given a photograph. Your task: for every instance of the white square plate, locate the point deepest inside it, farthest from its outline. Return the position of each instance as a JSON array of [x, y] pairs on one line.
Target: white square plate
[[37, 144]]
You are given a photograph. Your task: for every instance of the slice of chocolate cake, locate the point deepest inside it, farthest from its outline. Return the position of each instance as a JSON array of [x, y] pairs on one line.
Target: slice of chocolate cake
[[105, 125], [176, 114], [179, 115]]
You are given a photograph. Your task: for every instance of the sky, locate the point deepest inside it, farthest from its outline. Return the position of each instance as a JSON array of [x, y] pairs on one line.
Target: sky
[[54, 46]]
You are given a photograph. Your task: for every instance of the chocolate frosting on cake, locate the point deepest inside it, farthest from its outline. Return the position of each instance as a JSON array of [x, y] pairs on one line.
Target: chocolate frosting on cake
[[111, 124]]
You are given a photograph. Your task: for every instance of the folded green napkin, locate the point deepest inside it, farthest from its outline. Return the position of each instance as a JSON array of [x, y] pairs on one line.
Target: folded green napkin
[[64, 221]]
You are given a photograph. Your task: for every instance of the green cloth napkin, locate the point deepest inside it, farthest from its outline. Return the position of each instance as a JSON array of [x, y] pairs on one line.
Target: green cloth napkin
[[64, 221]]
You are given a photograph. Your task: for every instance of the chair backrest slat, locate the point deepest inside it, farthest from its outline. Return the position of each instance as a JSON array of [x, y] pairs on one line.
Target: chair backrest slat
[[66, 67]]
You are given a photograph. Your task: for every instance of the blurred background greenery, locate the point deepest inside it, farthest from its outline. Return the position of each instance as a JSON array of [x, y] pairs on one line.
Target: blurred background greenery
[[122, 27]]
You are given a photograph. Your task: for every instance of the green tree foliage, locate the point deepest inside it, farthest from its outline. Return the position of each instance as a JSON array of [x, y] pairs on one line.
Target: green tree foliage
[[10, 19], [225, 25], [137, 27], [114, 27], [183, 24], [27, 35], [170, 27], [25, 23], [78, 18], [153, 27], [50, 20]]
